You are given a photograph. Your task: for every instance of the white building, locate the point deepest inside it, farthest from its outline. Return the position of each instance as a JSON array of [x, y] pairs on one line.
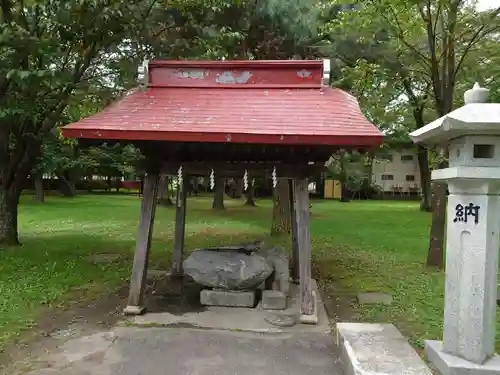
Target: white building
[[397, 171]]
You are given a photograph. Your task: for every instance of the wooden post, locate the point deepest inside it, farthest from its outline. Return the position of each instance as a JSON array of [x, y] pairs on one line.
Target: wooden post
[[295, 244], [281, 208], [143, 243], [304, 244], [180, 227]]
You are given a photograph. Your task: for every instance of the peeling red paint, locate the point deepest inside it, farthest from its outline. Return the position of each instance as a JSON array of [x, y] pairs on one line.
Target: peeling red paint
[[241, 73], [229, 77], [190, 73], [304, 73]]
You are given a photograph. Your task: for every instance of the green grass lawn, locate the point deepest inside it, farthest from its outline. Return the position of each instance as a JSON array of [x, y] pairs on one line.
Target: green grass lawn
[[357, 246]]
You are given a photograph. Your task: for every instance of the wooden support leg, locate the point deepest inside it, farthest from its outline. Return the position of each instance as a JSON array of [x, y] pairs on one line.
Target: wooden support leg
[[295, 244], [143, 242], [180, 226], [307, 299]]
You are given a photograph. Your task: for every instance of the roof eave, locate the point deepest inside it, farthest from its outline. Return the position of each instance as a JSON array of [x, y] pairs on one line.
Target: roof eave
[[471, 119], [429, 133], [347, 140]]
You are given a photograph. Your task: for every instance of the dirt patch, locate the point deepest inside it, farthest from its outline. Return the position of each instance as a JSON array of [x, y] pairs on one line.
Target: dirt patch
[[340, 305], [82, 317], [54, 327], [176, 296]]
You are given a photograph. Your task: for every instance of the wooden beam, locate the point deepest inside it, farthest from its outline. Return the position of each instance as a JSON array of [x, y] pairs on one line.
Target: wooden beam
[[304, 244], [143, 243], [295, 244], [180, 227], [210, 151], [228, 170]]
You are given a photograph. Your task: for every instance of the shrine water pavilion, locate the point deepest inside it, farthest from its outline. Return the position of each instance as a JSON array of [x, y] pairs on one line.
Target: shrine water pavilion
[[277, 119]]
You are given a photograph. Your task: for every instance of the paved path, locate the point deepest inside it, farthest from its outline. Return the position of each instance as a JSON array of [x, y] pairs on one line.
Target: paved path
[[185, 351]]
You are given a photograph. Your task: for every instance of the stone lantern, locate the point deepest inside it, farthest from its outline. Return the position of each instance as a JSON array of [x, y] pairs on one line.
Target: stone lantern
[[472, 133]]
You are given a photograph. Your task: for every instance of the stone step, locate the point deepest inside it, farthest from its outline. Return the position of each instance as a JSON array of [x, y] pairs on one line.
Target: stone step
[[377, 349], [231, 298]]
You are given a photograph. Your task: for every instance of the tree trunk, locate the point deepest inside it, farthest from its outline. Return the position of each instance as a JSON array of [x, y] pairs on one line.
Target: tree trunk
[[369, 174], [435, 255], [163, 192], [166, 191], [108, 184], [282, 215], [66, 186], [320, 184], [250, 195], [193, 186], [344, 193], [238, 188], [15, 168], [343, 178], [218, 203], [425, 179], [89, 183], [423, 159], [9, 200], [141, 186], [39, 190]]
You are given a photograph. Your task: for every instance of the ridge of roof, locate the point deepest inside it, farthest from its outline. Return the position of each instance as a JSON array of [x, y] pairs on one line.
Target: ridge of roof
[[234, 74], [274, 64]]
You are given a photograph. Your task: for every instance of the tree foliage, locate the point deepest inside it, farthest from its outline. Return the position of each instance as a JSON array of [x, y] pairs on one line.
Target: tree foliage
[[245, 29], [49, 49], [64, 60], [419, 50], [353, 170]]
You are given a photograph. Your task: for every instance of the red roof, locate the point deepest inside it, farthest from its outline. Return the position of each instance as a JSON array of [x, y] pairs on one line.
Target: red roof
[[274, 102]]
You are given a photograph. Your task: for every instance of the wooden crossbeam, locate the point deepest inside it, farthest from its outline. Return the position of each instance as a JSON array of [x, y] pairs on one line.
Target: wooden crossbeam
[[228, 170]]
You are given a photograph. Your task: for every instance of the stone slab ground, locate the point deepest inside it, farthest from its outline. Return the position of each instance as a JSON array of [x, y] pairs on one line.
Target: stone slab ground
[[377, 349], [183, 351], [197, 341], [237, 319]]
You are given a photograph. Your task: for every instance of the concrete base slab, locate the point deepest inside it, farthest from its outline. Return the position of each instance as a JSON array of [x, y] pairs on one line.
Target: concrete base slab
[[377, 349], [176, 351], [308, 319], [273, 300], [312, 318], [281, 320], [230, 298], [448, 364], [240, 319], [134, 310]]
